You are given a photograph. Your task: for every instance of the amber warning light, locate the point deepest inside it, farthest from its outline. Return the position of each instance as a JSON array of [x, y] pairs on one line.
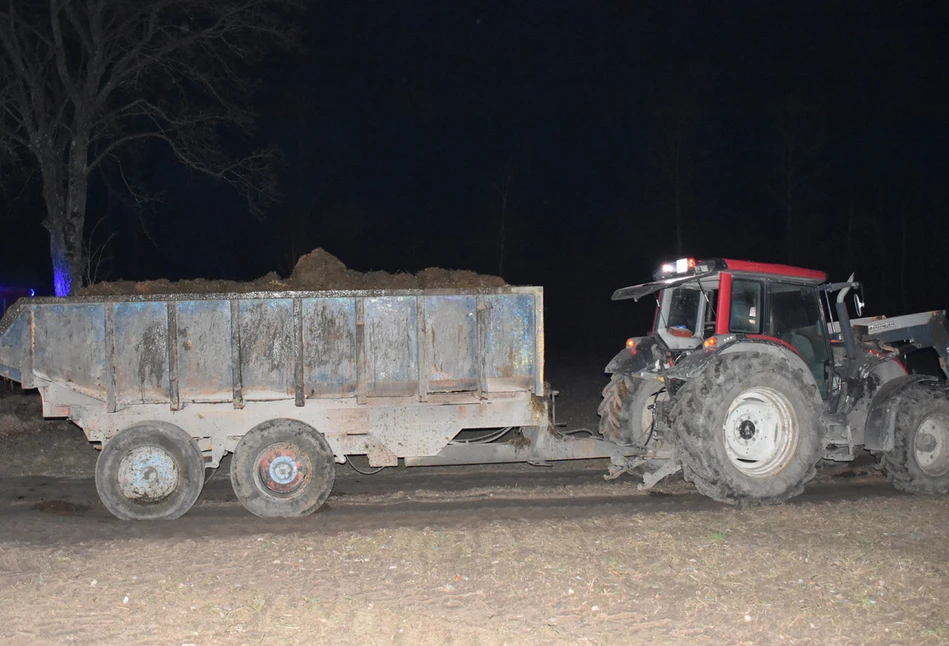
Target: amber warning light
[[631, 345]]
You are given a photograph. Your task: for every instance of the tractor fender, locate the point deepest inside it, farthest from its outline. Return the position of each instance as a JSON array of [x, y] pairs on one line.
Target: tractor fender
[[631, 361], [775, 348], [693, 364], [881, 416]]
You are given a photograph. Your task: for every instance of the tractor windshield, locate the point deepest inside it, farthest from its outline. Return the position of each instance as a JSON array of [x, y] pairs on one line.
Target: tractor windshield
[[686, 313]]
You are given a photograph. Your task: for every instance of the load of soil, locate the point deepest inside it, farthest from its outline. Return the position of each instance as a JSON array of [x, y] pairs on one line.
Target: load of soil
[[318, 270]]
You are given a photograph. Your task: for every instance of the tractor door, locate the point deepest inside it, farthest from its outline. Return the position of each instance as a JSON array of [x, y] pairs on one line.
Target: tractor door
[[796, 318]]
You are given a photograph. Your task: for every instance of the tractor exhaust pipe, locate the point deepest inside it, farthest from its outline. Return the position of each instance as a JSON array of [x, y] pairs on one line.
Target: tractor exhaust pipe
[[843, 319]]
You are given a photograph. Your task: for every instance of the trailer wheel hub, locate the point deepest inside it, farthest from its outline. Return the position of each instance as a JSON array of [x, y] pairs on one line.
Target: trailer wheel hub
[[147, 474], [282, 468]]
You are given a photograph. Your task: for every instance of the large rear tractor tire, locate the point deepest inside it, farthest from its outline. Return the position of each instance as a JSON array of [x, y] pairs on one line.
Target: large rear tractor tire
[[283, 468], [919, 460], [151, 471], [747, 430], [626, 412]]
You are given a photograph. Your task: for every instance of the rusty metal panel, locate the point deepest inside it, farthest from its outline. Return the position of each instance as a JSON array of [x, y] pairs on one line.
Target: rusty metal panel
[[329, 346], [141, 353], [392, 345], [13, 332], [510, 342], [204, 351], [70, 346], [451, 343], [266, 350]]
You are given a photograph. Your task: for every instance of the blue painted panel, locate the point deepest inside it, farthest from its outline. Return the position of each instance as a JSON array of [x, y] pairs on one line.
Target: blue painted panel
[[11, 349], [267, 348], [510, 342], [141, 352], [204, 351], [329, 346], [70, 346], [392, 345], [451, 338]]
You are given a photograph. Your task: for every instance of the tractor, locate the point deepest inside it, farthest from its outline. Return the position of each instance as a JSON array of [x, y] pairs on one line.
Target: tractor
[[754, 373]]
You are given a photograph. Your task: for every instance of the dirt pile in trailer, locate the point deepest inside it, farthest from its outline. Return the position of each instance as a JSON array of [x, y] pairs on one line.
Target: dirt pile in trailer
[[318, 270]]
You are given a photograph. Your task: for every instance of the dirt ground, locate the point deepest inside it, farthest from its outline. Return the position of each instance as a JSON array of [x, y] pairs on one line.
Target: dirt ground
[[465, 555]]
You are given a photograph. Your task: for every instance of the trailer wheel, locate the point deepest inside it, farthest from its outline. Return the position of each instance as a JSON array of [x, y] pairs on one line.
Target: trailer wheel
[[919, 460], [283, 468], [747, 430], [626, 412], [151, 471]]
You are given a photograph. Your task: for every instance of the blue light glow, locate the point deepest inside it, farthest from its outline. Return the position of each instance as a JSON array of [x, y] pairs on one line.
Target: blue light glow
[[62, 282]]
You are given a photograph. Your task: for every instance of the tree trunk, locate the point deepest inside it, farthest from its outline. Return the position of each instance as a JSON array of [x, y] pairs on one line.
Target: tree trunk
[[65, 221], [65, 247]]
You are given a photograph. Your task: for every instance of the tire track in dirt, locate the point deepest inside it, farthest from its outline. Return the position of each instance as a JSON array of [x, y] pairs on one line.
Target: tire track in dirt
[[51, 511]]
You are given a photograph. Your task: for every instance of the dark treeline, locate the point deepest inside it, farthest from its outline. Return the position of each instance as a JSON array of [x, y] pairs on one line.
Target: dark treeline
[[576, 149]]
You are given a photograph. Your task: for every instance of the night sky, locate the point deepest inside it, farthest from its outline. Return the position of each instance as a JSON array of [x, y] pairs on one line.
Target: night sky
[[403, 122]]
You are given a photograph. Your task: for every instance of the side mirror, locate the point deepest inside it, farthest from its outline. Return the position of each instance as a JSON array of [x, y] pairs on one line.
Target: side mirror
[[858, 304]]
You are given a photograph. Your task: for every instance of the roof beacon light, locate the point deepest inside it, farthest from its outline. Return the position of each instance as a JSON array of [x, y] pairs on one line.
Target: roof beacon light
[[680, 266]]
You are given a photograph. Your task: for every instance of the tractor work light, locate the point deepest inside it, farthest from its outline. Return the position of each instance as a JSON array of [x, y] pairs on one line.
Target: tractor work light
[[680, 266]]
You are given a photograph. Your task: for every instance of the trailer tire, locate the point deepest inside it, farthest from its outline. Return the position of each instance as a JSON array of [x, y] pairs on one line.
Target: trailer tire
[[919, 460], [283, 468], [150, 471], [625, 412], [747, 430]]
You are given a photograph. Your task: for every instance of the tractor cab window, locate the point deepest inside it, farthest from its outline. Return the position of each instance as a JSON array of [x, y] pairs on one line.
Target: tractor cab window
[[745, 307], [683, 309], [686, 313], [797, 319]]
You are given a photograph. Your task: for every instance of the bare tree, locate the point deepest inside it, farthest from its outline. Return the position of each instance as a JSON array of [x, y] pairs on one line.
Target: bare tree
[[83, 82]]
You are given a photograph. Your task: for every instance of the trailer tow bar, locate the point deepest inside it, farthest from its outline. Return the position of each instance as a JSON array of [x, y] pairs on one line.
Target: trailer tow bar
[[620, 465]]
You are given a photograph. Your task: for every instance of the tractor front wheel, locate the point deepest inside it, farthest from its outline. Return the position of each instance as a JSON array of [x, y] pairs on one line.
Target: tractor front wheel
[[747, 430], [626, 411]]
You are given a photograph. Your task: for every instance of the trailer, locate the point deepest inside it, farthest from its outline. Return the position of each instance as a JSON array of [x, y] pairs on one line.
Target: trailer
[[291, 384]]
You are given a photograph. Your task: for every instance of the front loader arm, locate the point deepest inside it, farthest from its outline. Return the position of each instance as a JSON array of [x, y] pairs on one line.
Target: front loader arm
[[922, 330]]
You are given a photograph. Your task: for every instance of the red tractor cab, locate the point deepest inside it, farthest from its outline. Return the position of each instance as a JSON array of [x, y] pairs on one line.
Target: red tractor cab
[[709, 303]]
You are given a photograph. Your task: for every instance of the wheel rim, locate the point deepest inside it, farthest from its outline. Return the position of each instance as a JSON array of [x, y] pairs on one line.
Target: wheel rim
[[931, 446], [283, 469], [148, 474], [761, 432]]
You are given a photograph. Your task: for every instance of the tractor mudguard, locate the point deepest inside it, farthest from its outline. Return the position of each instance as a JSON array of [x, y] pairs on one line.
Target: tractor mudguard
[[643, 356], [881, 416], [691, 365]]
